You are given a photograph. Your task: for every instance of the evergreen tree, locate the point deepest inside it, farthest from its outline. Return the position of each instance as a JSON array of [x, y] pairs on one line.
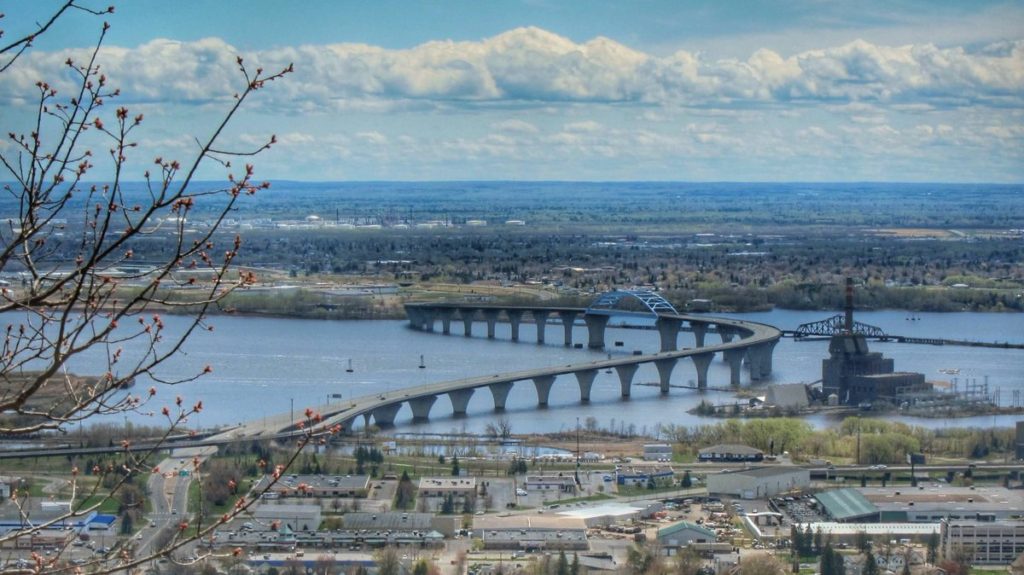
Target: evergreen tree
[[687, 481], [870, 567], [455, 465], [563, 564], [574, 568], [933, 547]]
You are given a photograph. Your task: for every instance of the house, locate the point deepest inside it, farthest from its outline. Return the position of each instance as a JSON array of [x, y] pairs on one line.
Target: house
[[730, 452]]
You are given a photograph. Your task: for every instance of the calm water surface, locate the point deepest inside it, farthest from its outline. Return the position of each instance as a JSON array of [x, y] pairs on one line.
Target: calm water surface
[[262, 365]]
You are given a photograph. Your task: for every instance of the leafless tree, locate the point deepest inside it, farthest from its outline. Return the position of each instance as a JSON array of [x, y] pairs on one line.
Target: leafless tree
[[79, 289]]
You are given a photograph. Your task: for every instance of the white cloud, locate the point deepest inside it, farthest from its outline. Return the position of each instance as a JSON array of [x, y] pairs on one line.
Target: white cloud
[[536, 66]]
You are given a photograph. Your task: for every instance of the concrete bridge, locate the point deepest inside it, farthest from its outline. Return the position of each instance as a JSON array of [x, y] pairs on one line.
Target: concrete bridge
[[740, 340]]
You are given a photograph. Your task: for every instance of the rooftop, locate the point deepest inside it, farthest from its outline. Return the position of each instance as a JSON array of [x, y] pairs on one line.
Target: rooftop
[[844, 504], [946, 498], [455, 483], [392, 520], [675, 528], [733, 448], [871, 529]]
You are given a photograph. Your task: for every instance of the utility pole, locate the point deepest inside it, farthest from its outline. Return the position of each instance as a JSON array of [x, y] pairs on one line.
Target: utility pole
[[578, 451]]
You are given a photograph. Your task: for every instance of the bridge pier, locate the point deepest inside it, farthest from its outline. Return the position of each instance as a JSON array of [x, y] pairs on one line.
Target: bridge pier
[[665, 367], [727, 332], [734, 357], [415, 316], [702, 361], [699, 331], [668, 329], [766, 357], [366, 420], [543, 385], [586, 380], [514, 317], [500, 393], [384, 416], [626, 373], [421, 407], [428, 320], [595, 329], [460, 400], [540, 317], [467, 321], [491, 317], [446, 320], [568, 321]]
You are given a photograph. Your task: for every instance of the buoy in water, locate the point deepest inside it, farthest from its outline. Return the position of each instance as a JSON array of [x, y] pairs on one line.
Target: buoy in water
[[349, 368], [422, 365]]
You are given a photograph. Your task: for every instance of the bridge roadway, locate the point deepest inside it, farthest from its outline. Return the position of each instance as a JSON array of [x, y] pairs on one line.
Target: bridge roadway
[[755, 342]]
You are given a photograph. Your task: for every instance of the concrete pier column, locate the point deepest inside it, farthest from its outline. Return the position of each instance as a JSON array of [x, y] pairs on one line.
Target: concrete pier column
[[366, 420], [515, 316], [460, 400], [421, 407], [766, 358], [727, 332], [467, 321], [734, 357], [500, 393], [699, 331], [668, 328], [702, 361], [540, 318], [595, 328], [446, 320], [384, 416], [415, 317], [491, 316], [568, 321], [755, 356], [429, 316], [586, 380], [347, 425], [543, 385], [626, 373], [665, 367]]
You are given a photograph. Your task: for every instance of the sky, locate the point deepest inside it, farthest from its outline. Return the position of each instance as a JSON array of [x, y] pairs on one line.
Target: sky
[[804, 90]]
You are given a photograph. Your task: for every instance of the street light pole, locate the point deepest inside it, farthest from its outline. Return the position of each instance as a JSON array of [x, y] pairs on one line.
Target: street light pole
[[291, 412]]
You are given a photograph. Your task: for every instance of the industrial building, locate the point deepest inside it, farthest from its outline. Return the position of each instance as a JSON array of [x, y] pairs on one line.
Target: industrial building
[[685, 533], [314, 486], [605, 514], [293, 517], [458, 487], [555, 483], [532, 533], [730, 452], [931, 504], [787, 396], [855, 375], [641, 476], [987, 543], [846, 506], [657, 452], [759, 482]]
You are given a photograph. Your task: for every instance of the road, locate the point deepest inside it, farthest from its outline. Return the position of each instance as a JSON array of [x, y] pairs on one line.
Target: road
[[168, 493]]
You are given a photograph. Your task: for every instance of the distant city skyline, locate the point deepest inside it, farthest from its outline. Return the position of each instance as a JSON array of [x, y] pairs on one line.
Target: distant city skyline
[[544, 90]]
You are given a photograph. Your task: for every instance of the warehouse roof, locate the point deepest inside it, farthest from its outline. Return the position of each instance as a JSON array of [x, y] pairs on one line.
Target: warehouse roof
[[846, 504]]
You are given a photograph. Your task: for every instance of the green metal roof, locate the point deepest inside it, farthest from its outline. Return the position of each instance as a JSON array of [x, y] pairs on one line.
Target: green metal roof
[[846, 504], [666, 531]]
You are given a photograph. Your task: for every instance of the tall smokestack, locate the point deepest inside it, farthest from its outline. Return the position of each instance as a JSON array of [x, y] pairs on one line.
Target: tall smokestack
[[849, 306]]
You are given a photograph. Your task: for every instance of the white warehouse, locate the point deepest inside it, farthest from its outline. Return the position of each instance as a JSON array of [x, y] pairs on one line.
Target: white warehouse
[[759, 482]]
